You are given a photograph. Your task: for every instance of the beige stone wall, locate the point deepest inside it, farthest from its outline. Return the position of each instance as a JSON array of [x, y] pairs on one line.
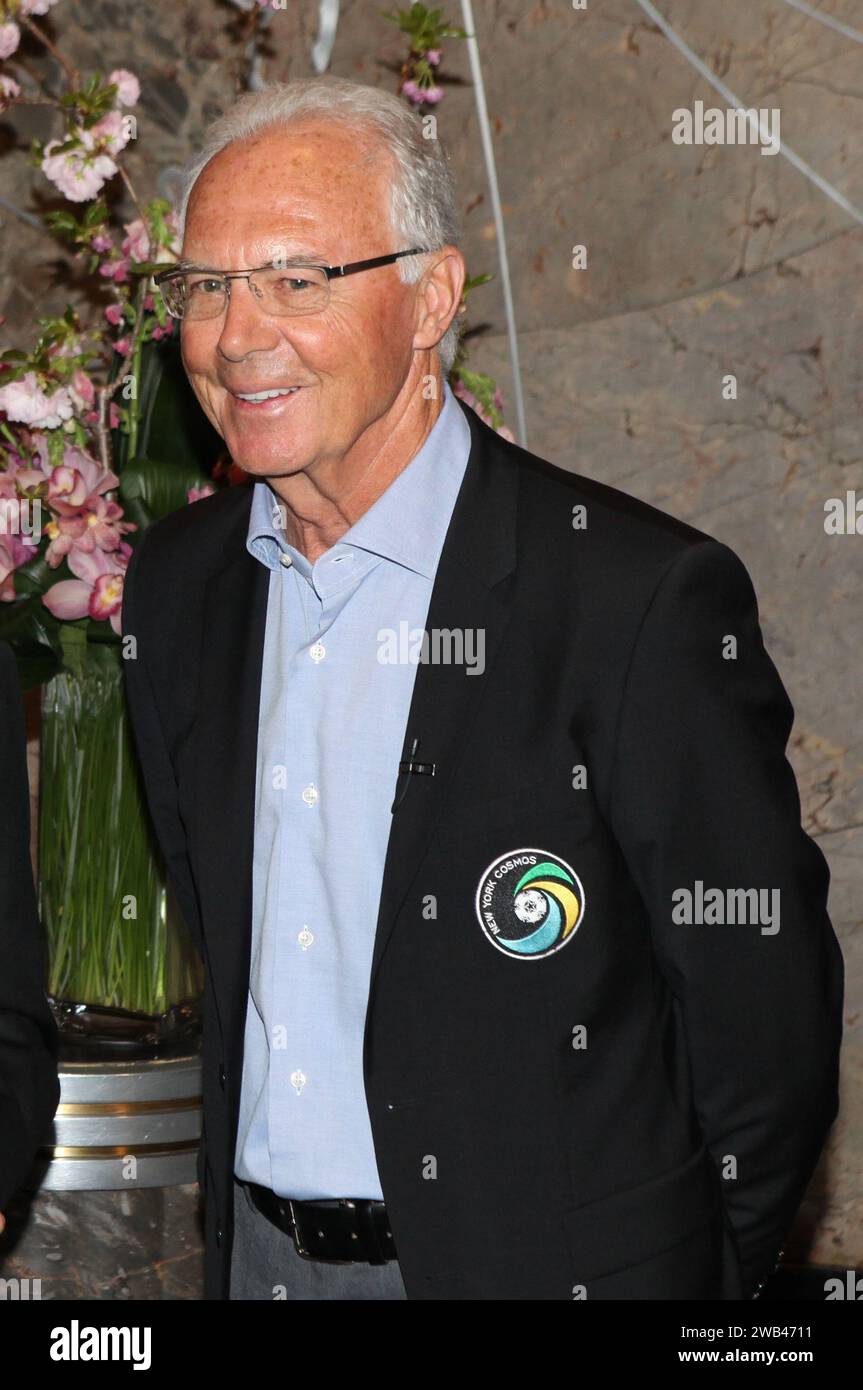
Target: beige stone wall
[[701, 261]]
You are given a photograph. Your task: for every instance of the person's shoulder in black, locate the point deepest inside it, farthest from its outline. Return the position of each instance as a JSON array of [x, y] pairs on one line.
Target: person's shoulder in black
[[29, 1088]]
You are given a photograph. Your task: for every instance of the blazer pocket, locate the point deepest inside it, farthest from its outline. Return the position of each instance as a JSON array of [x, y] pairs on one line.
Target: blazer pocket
[[524, 817], [628, 1227]]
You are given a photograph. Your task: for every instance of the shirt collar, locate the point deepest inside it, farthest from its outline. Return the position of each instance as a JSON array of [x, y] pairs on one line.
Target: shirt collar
[[408, 522]]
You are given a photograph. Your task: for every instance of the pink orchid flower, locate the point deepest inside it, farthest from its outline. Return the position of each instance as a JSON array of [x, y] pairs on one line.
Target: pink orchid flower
[[13, 552], [62, 533], [104, 525], [97, 592], [77, 482]]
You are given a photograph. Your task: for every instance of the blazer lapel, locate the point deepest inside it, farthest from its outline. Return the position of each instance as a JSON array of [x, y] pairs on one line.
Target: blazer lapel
[[232, 647], [468, 595]]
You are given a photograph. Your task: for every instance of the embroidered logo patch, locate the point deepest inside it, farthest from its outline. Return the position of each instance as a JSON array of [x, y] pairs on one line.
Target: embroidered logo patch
[[529, 903]]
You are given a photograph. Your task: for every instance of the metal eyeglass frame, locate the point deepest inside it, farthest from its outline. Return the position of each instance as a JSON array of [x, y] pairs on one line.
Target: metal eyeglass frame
[[173, 272]]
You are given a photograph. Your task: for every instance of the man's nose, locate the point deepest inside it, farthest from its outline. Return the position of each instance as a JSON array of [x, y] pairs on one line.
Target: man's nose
[[245, 328]]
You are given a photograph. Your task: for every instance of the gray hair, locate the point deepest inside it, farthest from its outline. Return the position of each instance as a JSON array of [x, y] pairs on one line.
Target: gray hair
[[423, 203]]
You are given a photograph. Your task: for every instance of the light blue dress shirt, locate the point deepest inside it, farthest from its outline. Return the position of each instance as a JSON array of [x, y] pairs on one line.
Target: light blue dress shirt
[[332, 723]]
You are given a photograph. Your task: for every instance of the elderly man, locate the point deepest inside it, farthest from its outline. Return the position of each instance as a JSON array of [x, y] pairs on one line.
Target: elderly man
[[470, 776]]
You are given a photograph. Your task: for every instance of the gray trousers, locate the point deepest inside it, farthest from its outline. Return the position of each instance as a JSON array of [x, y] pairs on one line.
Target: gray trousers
[[265, 1264]]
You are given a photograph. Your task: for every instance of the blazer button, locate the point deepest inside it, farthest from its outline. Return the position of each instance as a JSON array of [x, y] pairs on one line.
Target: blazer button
[[219, 1236], [222, 1075]]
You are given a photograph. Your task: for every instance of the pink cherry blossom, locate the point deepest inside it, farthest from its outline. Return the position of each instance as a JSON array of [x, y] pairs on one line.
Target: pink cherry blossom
[[36, 6], [113, 132], [136, 242], [81, 389], [26, 402], [102, 243], [79, 174], [114, 314], [122, 346], [418, 94], [433, 56], [10, 37], [194, 494], [412, 91], [9, 89], [128, 86], [117, 270], [96, 592]]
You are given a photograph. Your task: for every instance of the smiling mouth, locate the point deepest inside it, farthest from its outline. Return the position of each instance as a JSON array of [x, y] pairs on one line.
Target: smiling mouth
[[254, 397]]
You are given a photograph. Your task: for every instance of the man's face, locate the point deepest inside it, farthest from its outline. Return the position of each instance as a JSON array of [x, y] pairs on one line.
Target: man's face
[[304, 191]]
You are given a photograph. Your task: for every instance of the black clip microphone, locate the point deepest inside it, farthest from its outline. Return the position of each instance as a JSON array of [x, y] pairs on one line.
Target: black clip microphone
[[410, 767]]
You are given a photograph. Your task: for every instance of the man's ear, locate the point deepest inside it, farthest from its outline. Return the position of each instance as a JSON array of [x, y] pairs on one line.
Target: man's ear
[[439, 294]]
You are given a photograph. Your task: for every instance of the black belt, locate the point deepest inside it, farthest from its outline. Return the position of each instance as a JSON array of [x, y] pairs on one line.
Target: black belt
[[341, 1228]]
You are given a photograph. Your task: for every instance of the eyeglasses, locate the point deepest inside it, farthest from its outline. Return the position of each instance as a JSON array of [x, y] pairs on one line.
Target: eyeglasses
[[198, 292]]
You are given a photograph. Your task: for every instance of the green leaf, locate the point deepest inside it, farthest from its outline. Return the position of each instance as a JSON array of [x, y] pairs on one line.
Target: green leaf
[[159, 485], [73, 642], [34, 577]]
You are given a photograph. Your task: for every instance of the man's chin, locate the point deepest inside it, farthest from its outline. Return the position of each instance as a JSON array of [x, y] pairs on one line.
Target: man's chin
[[264, 466]]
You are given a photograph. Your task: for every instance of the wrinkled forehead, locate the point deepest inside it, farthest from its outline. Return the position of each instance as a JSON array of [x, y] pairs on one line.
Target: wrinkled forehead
[[316, 192]]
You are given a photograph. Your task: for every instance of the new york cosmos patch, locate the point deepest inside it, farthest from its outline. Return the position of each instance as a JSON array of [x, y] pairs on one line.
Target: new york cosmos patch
[[529, 903]]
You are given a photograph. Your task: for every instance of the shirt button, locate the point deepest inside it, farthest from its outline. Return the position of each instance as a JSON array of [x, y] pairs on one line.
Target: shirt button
[[310, 795], [298, 1081], [318, 651], [285, 560], [305, 938]]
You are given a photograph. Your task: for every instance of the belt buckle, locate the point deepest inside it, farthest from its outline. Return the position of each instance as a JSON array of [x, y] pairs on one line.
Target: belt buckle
[[301, 1250], [295, 1232]]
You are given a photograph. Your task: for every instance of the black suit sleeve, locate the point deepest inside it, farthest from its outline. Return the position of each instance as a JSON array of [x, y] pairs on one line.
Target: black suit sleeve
[[158, 772], [29, 1088], [702, 790]]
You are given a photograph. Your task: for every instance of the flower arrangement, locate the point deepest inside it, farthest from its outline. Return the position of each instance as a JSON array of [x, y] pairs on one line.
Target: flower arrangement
[[81, 413], [74, 481], [420, 81], [78, 412]]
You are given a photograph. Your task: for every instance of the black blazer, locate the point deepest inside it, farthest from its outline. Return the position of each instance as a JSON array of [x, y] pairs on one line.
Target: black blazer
[[29, 1088], [635, 1113]]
